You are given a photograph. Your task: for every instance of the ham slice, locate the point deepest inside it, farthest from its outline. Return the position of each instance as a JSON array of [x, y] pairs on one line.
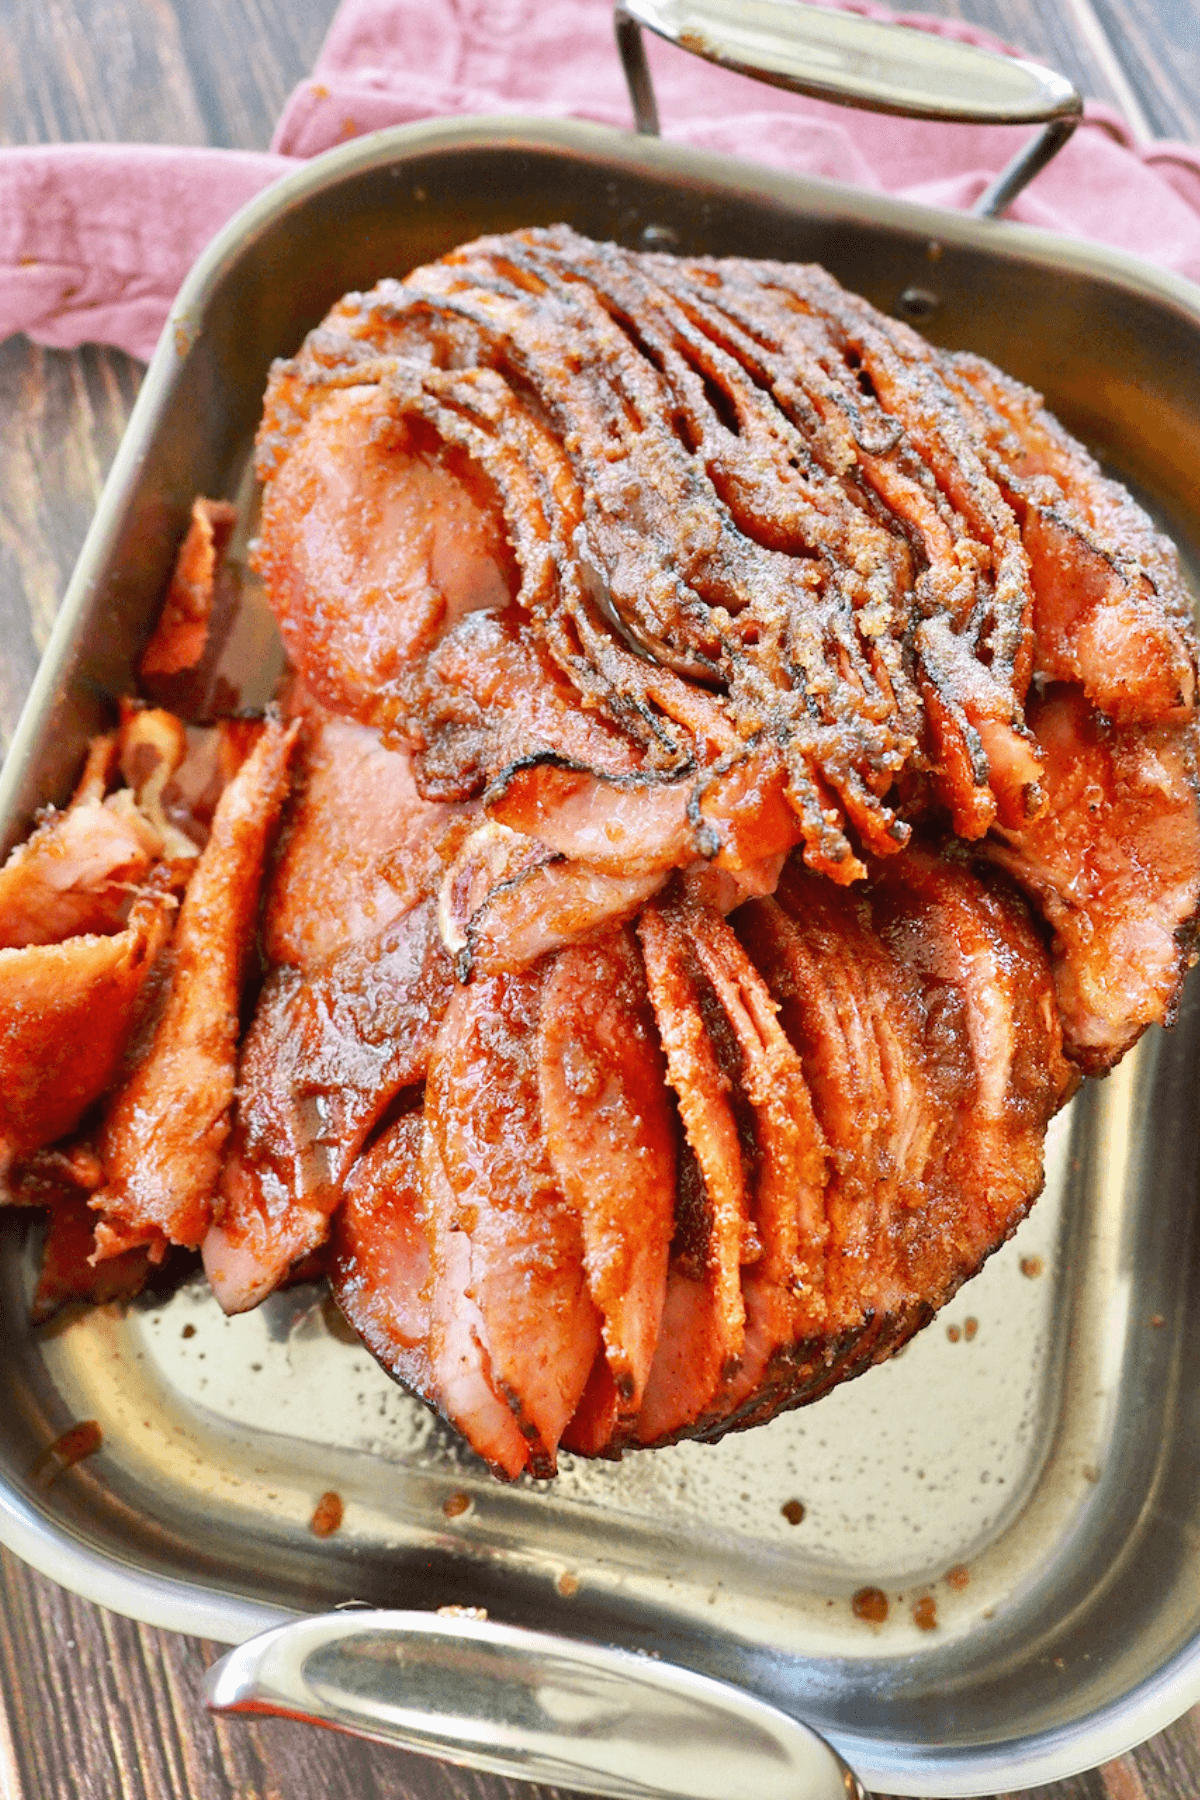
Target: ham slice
[[164, 1133], [1113, 864], [610, 1137], [67, 1013], [510, 1236], [326, 1054]]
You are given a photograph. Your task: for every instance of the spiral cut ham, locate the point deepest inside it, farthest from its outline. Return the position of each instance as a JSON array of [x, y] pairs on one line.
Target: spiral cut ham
[[555, 1245], [738, 772], [674, 561]]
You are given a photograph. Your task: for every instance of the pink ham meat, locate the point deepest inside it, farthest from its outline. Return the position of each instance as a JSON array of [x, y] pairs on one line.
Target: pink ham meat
[[610, 1137], [490, 703], [164, 1132], [67, 1013], [374, 539], [381, 1264], [630, 828], [465, 1388], [357, 842], [453, 1234], [77, 874], [505, 900], [327, 1052], [1113, 864], [525, 1242], [80, 870]]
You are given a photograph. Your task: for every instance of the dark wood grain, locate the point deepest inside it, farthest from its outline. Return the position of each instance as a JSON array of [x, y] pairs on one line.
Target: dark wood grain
[[110, 70], [101, 1708], [92, 1706]]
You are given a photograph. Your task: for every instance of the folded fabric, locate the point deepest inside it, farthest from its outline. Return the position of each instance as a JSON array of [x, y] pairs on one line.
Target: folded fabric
[[95, 239]]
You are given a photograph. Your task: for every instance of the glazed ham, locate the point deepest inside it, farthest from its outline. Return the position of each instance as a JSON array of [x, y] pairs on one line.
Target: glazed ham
[[163, 1136], [1110, 861], [67, 1014], [327, 1053], [738, 772]]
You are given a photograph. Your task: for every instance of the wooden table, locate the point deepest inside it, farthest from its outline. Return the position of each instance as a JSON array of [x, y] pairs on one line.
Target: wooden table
[[92, 1705]]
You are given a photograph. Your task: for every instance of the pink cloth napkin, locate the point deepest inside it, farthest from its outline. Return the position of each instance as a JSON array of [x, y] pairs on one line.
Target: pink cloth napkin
[[95, 239]]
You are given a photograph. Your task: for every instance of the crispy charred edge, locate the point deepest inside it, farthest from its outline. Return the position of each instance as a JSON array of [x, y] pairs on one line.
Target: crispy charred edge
[[678, 988], [466, 954], [627, 781], [707, 837], [801, 1371], [1187, 932]]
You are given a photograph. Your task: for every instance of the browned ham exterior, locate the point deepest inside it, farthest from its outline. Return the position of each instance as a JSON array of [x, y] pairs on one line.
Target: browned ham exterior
[[738, 772], [163, 1137], [67, 1013], [328, 1051]]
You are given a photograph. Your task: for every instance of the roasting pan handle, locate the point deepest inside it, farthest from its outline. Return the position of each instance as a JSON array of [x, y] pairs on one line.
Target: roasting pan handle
[[532, 1706], [855, 61]]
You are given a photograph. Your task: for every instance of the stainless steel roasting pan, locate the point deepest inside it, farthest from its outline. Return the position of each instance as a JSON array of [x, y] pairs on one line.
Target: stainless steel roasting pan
[[1029, 1468]]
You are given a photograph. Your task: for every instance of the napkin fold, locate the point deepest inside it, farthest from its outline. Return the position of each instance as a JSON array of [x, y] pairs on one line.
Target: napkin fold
[[95, 239]]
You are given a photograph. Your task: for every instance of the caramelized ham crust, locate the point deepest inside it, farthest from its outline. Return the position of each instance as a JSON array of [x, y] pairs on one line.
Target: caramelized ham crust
[[610, 1139], [1113, 864], [892, 1138]]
